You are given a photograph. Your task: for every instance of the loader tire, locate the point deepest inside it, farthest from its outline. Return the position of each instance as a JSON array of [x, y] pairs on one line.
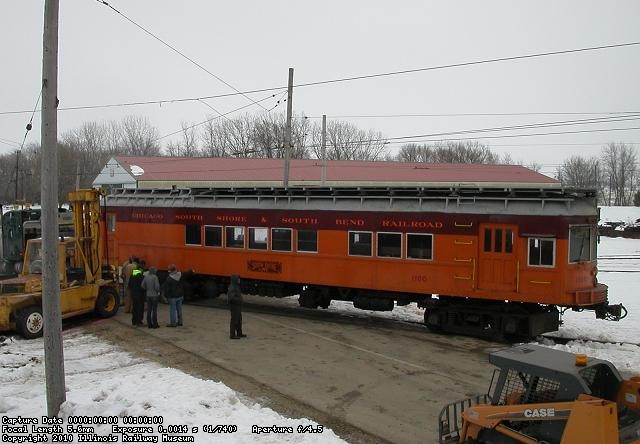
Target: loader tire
[[29, 322], [107, 302]]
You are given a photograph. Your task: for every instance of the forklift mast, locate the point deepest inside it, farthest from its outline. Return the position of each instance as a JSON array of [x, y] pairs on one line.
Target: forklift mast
[[85, 205]]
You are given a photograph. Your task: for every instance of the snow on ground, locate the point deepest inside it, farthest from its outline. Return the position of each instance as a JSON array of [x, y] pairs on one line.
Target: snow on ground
[[103, 380], [619, 214], [619, 268]]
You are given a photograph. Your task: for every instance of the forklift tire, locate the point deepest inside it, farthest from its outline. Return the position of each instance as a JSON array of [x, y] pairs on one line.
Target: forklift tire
[[29, 322], [107, 302]]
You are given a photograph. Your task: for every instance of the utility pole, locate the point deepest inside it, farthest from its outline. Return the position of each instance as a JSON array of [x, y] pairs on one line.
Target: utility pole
[[53, 356], [287, 134], [324, 149], [78, 175], [17, 168]]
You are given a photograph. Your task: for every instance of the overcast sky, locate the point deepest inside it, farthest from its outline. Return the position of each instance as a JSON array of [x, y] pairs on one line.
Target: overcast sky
[[104, 59]]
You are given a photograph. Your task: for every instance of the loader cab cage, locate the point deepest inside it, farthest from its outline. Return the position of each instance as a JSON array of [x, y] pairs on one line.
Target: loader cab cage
[[534, 374]]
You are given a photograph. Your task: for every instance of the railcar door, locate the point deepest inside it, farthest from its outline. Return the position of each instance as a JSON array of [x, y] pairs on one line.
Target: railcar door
[[497, 263]]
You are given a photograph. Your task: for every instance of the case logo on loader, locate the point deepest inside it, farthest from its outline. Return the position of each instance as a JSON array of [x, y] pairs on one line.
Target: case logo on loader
[[539, 413]]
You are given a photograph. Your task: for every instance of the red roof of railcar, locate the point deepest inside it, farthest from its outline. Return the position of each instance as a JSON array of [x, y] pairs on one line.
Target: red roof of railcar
[[309, 171]]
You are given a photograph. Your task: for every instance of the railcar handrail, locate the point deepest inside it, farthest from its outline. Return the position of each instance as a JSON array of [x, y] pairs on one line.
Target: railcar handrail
[[459, 195]]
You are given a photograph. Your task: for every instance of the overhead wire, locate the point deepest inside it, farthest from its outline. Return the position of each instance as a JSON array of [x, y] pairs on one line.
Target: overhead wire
[[551, 124], [472, 63], [343, 79], [10, 142], [390, 116], [177, 51], [30, 124], [212, 119]]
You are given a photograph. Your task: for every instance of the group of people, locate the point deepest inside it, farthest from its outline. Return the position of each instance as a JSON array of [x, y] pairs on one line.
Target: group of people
[[143, 286]]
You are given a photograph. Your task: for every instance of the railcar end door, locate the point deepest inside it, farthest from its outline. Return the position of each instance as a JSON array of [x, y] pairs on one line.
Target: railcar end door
[[497, 263]]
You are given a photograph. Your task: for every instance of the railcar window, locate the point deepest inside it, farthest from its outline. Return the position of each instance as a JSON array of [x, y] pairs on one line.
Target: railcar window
[[258, 238], [111, 222], [541, 252], [212, 236], [281, 239], [498, 245], [360, 243], [487, 239], [389, 244], [420, 246], [308, 241], [581, 244], [193, 234], [508, 248], [234, 237]]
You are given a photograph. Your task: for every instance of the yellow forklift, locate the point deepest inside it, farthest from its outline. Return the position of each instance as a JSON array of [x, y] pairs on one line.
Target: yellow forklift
[[84, 285]]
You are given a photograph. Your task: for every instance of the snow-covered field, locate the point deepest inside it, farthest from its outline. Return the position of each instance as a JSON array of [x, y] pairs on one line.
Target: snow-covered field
[[105, 381], [619, 214]]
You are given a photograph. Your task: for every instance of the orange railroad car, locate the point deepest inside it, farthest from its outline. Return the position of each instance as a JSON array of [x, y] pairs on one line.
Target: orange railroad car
[[500, 263]]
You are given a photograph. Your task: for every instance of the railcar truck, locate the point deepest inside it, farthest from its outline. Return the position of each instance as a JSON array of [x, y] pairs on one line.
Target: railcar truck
[[84, 285]]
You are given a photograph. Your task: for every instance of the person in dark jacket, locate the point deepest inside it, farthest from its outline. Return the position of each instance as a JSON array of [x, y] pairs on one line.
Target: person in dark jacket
[[134, 286], [234, 296], [174, 293], [152, 286]]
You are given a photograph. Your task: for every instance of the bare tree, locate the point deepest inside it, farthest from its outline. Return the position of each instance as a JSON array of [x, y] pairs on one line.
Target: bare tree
[[139, 137], [345, 141], [620, 170], [579, 172], [84, 149], [187, 146], [448, 152]]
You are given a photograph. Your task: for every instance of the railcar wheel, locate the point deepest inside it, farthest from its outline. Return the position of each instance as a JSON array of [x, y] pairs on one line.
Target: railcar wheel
[[187, 291], [107, 302], [432, 319], [29, 322], [308, 299], [210, 289]]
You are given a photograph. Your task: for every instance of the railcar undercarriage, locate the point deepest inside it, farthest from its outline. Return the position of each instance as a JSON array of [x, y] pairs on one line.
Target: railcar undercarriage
[[489, 319]]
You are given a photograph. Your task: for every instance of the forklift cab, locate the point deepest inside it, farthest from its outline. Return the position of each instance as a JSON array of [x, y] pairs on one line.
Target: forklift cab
[[69, 264]]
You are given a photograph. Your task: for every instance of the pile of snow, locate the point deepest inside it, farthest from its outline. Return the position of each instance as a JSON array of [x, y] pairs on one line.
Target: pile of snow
[[103, 380]]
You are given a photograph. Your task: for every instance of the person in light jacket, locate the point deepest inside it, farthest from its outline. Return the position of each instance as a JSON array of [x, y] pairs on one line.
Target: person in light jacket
[[152, 286], [234, 296]]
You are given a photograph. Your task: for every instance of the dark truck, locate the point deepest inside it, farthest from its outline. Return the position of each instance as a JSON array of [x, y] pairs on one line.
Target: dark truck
[[20, 225]]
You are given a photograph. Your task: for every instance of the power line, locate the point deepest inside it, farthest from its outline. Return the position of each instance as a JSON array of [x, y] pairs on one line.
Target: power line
[[212, 119], [374, 116], [173, 48], [476, 62], [506, 136], [344, 79], [551, 124], [30, 124], [9, 142]]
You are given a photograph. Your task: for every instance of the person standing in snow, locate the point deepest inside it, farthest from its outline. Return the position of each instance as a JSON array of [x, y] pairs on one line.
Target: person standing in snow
[[152, 286], [234, 296], [173, 291]]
